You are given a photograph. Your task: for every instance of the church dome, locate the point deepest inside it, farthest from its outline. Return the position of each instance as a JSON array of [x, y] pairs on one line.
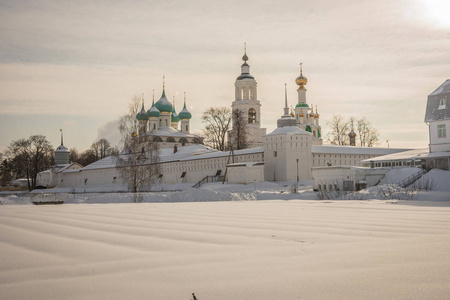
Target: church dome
[[62, 148], [153, 112], [174, 117], [184, 113], [142, 115], [301, 80], [163, 105]]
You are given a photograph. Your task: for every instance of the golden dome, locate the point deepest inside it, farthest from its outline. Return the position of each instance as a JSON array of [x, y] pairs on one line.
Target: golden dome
[[301, 115], [301, 80]]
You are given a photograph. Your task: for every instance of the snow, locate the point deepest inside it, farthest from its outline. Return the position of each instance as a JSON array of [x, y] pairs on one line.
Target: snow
[[228, 241], [225, 250], [335, 149], [397, 175], [289, 130]]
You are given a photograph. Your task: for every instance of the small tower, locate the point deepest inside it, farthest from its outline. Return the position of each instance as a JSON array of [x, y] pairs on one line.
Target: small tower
[[352, 136], [61, 153], [287, 150], [153, 116], [142, 118], [305, 116], [185, 117], [246, 100], [174, 120], [165, 108]]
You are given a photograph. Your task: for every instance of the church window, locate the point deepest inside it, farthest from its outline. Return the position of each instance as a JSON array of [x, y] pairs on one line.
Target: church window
[[251, 115], [242, 93], [154, 126], [442, 132], [442, 103], [166, 122], [251, 93], [274, 153], [187, 128]]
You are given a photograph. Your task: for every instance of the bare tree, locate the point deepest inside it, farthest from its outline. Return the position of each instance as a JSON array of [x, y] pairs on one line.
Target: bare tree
[[368, 136], [238, 135], [138, 164], [217, 123], [339, 131], [101, 148], [30, 156]]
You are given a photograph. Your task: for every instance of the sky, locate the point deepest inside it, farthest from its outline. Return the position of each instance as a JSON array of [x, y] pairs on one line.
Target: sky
[[76, 65]]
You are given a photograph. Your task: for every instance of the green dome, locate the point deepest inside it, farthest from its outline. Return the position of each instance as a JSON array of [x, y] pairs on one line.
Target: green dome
[[153, 112], [302, 105], [308, 128], [174, 117], [163, 105], [184, 113], [142, 115]]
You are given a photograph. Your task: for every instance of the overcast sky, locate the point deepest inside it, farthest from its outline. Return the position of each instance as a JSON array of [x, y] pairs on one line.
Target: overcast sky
[[76, 64]]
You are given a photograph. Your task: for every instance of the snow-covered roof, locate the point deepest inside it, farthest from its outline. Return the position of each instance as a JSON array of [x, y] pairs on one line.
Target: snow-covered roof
[[334, 149], [190, 152], [169, 131], [435, 111], [289, 130], [65, 167], [408, 155]]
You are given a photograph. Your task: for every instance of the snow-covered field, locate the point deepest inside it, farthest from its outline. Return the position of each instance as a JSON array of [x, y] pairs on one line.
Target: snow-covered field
[[101, 246]]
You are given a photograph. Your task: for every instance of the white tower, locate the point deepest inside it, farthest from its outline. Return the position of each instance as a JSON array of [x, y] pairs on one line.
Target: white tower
[[185, 117], [61, 153], [304, 115], [247, 101], [287, 150]]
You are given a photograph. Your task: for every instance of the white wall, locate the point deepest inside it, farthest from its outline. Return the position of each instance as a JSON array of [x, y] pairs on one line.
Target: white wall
[[439, 144]]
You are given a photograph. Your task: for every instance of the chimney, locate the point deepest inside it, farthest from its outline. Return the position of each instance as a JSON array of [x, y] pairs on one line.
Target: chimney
[[175, 149]]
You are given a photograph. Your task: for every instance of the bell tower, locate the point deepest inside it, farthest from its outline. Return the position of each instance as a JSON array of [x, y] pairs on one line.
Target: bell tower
[[246, 100]]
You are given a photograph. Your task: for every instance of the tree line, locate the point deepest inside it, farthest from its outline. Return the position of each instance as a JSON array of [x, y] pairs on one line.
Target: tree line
[[26, 157]]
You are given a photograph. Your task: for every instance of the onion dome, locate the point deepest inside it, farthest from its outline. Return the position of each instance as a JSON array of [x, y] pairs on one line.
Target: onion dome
[[174, 117], [316, 115], [301, 115], [352, 134], [153, 112], [245, 68], [142, 115], [302, 104], [184, 113], [163, 105], [301, 80]]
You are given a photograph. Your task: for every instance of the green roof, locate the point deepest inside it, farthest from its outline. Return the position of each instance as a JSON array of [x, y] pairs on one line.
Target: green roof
[[163, 105], [185, 114], [153, 111], [302, 105], [308, 128]]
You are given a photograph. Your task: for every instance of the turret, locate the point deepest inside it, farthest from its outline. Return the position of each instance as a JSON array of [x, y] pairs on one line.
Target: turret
[[62, 153], [153, 116], [142, 118], [174, 118], [185, 118]]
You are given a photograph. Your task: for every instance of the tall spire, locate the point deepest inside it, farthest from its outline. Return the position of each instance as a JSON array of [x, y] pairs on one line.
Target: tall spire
[[153, 97], [164, 86], [142, 100], [286, 108], [245, 57], [301, 69], [184, 100], [61, 137], [173, 103]]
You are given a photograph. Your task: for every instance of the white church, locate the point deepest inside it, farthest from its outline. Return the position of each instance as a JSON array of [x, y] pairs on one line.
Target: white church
[[289, 153]]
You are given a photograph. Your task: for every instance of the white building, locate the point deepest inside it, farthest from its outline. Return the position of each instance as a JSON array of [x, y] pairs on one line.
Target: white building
[[287, 153], [437, 116]]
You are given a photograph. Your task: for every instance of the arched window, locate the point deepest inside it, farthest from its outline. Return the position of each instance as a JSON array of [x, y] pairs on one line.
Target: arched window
[[170, 140], [250, 90], [251, 115], [154, 126], [183, 140], [196, 141], [242, 93], [157, 139]]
